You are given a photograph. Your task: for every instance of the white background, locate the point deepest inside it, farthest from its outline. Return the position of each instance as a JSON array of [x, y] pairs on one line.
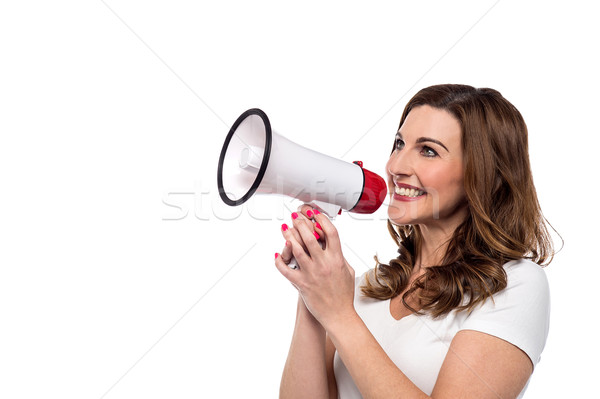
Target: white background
[[111, 110]]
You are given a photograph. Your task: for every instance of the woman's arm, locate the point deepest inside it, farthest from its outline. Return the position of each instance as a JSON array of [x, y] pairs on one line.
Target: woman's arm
[[477, 365], [305, 374], [331, 382], [373, 372], [308, 371]]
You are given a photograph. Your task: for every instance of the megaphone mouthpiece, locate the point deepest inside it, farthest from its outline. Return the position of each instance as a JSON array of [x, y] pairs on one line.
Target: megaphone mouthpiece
[[373, 193]]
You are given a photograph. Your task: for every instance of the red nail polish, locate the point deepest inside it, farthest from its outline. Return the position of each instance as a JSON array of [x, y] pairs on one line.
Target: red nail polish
[[284, 227], [316, 235], [316, 211], [286, 243], [318, 226], [294, 215], [276, 255], [309, 214]]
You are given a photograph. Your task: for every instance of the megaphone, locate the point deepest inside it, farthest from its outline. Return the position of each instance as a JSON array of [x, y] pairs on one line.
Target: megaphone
[[255, 159]]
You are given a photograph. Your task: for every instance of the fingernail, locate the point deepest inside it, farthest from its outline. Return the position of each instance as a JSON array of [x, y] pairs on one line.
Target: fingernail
[[284, 227], [286, 243], [276, 255], [294, 215], [316, 211], [318, 226], [309, 213], [316, 235]]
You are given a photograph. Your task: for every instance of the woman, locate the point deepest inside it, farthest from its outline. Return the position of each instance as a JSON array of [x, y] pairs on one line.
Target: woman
[[463, 311]]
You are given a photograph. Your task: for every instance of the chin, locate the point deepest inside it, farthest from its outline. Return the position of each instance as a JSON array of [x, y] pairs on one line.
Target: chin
[[399, 217]]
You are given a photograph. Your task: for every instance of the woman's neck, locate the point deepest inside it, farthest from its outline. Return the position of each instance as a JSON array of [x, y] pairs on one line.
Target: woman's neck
[[433, 246], [436, 235]]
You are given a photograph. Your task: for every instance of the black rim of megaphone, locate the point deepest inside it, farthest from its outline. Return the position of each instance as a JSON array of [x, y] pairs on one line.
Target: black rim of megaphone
[[263, 165]]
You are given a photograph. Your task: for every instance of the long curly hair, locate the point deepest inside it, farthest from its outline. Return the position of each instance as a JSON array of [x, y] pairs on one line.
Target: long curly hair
[[504, 220]]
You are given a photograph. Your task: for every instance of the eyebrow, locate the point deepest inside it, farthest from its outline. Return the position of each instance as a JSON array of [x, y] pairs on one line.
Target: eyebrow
[[425, 140]]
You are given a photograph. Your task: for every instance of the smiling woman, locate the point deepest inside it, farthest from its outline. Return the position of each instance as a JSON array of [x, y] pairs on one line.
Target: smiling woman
[[480, 192], [463, 311]]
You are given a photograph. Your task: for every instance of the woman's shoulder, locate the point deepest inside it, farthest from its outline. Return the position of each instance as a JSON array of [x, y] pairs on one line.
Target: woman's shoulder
[[526, 295], [525, 274], [520, 313]]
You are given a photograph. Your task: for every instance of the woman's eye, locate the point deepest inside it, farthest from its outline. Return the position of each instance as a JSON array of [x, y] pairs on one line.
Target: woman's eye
[[429, 152], [399, 144]]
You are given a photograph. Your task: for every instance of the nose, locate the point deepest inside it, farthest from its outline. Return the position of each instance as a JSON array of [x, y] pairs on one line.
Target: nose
[[400, 164]]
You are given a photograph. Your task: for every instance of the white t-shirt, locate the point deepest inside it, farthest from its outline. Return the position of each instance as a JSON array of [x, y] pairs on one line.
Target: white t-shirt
[[418, 344]]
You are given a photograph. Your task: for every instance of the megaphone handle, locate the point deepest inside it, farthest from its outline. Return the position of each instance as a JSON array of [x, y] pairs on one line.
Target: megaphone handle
[[331, 210], [293, 264]]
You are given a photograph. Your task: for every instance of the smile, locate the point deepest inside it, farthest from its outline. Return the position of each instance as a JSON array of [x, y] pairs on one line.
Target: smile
[[408, 192]]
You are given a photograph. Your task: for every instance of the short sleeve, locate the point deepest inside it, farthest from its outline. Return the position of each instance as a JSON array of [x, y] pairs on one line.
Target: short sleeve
[[519, 314]]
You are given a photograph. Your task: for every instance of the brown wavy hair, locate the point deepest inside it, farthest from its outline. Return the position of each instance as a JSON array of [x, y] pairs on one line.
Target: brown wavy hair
[[504, 220]]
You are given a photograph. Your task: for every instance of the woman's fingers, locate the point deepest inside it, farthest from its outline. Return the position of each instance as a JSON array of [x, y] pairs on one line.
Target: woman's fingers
[[286, 252], [310, 212], [298, 252], [330, 234], [290, 231], [304, 210], [285, 270], [303, 235], [309, 236]]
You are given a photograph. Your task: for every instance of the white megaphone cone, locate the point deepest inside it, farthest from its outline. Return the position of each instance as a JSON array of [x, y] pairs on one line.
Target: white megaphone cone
[[255, 159]]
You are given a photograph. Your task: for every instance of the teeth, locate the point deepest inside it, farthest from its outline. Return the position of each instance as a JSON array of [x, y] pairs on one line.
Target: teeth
[[408, 192]]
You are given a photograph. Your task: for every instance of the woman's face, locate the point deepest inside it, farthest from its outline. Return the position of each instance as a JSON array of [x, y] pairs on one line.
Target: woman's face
[[425, 171]]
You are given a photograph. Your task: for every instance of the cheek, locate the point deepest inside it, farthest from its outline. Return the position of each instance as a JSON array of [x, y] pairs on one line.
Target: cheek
[[447, 183]]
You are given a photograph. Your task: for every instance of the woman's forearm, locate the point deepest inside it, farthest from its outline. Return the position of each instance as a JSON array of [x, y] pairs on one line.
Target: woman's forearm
[[373, 372], [305, 373]]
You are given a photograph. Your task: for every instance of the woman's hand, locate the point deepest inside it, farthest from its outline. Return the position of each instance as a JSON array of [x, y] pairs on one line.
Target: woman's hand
[[324, 279]]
